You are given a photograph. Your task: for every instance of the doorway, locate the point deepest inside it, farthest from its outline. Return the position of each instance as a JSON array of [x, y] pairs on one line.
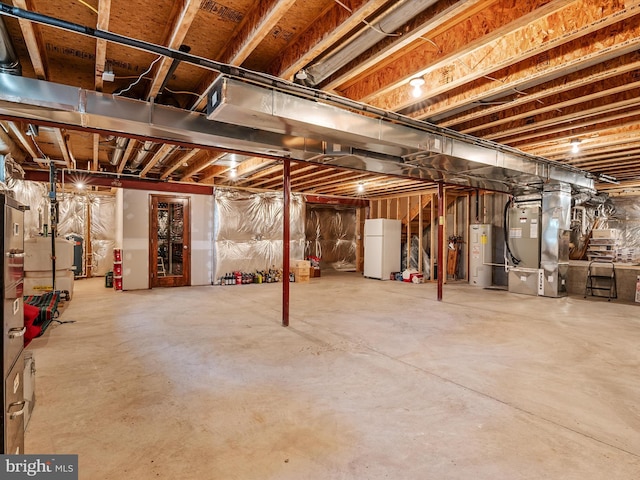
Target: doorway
[[170, 243]]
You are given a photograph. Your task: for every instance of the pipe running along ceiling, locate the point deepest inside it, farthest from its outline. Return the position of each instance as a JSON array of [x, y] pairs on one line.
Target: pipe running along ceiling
[[262, 120], [260, 114]]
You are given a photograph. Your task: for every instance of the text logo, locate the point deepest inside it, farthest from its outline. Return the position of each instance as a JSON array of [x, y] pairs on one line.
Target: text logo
[[49, 467]]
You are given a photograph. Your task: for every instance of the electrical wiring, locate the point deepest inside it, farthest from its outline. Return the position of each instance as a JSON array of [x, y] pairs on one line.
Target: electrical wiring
[[370, 25], [432, 43], [89, 6], [181, 92], [139, 78]]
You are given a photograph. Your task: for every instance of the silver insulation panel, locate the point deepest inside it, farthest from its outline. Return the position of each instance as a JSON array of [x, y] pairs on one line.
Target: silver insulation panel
[[72, 220], [331, 236], [248, 231]]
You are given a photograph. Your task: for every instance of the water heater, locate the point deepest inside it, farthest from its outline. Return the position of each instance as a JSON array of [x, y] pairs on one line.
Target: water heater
[[480, 255]]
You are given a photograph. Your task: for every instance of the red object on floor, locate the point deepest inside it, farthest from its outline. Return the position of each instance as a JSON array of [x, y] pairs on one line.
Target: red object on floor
[[31, 313]]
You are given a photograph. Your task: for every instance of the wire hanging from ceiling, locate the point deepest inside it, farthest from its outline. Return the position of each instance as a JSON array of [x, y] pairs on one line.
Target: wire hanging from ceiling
[[370, 25], [139, 78], [93, 9]]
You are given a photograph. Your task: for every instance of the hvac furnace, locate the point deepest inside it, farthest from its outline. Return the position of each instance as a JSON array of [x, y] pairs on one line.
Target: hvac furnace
[[537, 241]]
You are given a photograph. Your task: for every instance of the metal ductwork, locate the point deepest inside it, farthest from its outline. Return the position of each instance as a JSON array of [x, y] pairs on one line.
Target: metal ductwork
[[142, 154], [374, 144], [121, 145], [255, 119], [397, 15], [276, 118], [9, 62]]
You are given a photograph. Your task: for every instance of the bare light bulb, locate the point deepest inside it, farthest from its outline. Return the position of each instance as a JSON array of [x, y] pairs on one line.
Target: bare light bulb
[[417, 84]]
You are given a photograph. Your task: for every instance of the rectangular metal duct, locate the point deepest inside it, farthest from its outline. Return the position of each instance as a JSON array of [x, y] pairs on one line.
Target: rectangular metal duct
[[408, 151], [257, 119]]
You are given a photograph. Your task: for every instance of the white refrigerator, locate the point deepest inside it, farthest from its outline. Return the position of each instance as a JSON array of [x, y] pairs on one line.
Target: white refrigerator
[[382, 247]]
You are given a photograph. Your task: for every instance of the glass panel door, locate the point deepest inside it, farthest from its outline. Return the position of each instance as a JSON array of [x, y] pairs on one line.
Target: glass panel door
[[169, 241]]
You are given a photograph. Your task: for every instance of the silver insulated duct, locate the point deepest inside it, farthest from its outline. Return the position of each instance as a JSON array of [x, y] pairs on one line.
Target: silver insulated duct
[[398, 14], [9, 62]]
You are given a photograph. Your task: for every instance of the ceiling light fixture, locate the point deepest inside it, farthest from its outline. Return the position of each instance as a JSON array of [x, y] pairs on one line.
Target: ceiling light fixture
[[360, 187], [575, 145], [417, 84], [233, 173], [301, 75]]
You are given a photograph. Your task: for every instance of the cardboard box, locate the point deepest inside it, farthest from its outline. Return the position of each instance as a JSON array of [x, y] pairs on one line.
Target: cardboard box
[[314, 272], [302, 264], [301, 274], [605, 233]]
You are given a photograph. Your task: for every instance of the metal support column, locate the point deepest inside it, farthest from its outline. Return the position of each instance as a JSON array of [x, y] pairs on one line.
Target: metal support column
[[286, 239], [441, 249]]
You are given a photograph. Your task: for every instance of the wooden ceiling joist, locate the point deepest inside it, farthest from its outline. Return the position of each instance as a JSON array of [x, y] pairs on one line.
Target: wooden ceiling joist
[[335, 22], [464, 52], [104, 11], [177, 34], [533, 75], [33, 40], [534, 62], [199, 165]]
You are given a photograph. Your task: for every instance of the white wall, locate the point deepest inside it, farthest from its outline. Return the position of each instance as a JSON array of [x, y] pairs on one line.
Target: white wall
[[135, 238]]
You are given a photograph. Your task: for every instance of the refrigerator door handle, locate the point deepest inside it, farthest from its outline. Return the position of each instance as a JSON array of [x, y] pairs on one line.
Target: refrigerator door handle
[[17, 332], [17, 413]]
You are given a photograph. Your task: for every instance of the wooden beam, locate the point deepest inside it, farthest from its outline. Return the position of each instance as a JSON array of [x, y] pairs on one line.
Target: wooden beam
[[210, 172], [127, 154], [582, 105], [252, 164], [181, 25], [61, 140], [560, 148], [16, 152], [200, 165], [179, 161], [133, 183], [336, 22], [297, 172], [33, 40], [540, 93], [95, 166], [162, 153], [429, 22], [415, 211], [408, 233], [253, 29], [104, 9], [571, 124], [509, 42]]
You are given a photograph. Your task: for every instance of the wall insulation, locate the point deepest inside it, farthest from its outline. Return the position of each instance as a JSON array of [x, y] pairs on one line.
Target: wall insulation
[[331, 236], [248, 231], [73, 210], [622, 213]]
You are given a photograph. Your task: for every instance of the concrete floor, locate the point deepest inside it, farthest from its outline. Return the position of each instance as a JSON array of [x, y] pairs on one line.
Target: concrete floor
[[372, 380]]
